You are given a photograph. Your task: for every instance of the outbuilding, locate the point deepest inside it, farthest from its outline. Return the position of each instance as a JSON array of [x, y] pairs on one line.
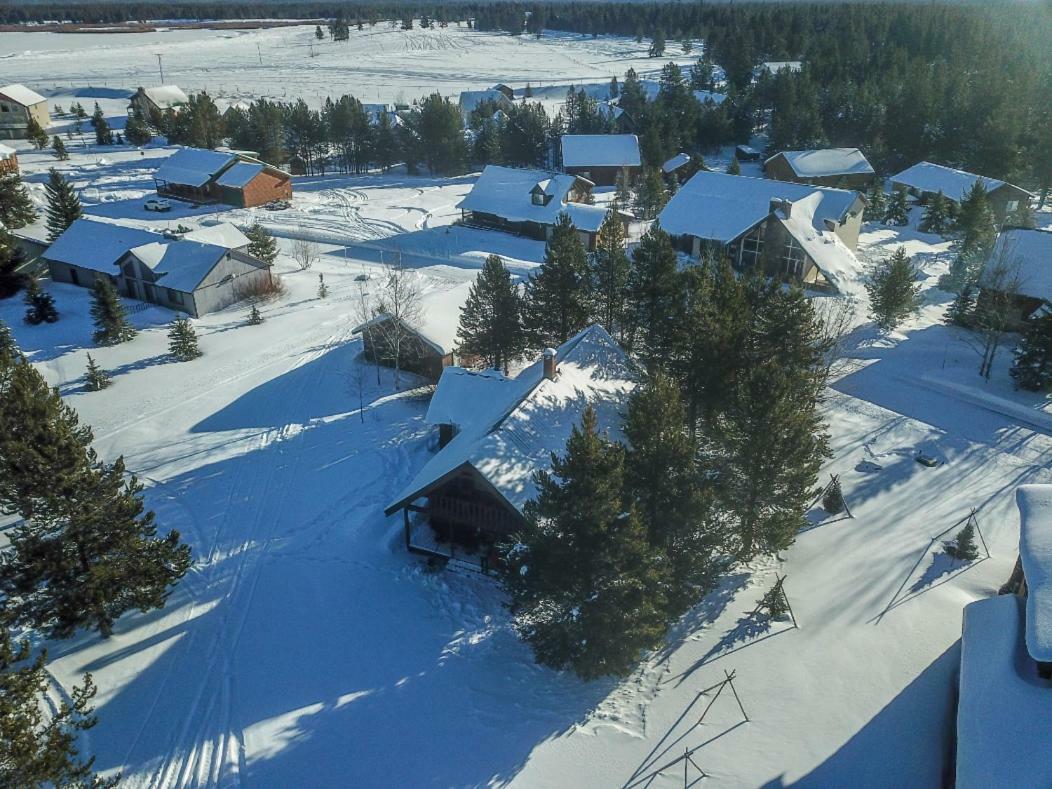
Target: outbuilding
[[8, 160], [17, 105]]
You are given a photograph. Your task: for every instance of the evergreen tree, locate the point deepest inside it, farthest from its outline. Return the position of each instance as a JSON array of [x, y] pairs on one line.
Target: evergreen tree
[[16, 207], [96, 378], [323, 289], [893, 290], [9, 352], [653, 297], [657, 45], [1023, 216], [39, 743], [734, 168], [40, 305], [663, 482], [963, 546], [975, 221], [255, 317], [261, 245], [897, 211], [833, 498], [97, 116], [84, 551], [961, 311], [558, 295], [103, 133], [387, 146], [622, 192], [773, 602], [876, 202], [583, 579], [936, 218], [1032, 366], [137, 131], [652, 194], [318, 34], [182, 340], [59, 148], [491, 318], [440, 128], [11, 260], [63, 205], [111, 320], [36, 134], [610, 273]]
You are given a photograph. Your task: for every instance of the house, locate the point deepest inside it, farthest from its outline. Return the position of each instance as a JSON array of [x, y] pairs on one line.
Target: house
[[500, 87], [17, 105], [777, 66], [529, 202], [203, 176], [152, 102], [845, 168], [8, 160], [424, 350], [470, 100], [804, 233], [679, 168], [1021, 259], [746, 153], [601, 157], [924, 179], [1004, 710], [497, 432], [196, 273]]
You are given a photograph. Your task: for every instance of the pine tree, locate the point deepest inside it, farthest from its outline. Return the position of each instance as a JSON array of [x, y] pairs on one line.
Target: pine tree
[[734, 168], [622, 192], [111, 320], [318, 34], [610, 275], [1023, 216], [491, 318], [833, 498], [84, 552], [137, 131], [9, 352], [653, 297], [39, 743], [16, 207], [36, 134], [961, 311], [255, 317], [59, 148], [662, 480], [876, 202], [11, 260], [657, 45], [897, 211], [182, 340], [96, 378], [936, 219], [584, 581], [40, 305], [975, 221], [652, 194], [893, 290], [558, 295], [963, 546], [773, 602], [262, 245], [1032, 365], [103, 133], [63, 205]]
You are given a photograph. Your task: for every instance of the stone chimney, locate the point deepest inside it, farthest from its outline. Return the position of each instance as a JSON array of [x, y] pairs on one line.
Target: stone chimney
[[783, 206], [549, 363]]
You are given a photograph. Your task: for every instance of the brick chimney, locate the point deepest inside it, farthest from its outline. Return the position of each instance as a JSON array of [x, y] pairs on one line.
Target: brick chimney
[[784, 206], [549, 363]]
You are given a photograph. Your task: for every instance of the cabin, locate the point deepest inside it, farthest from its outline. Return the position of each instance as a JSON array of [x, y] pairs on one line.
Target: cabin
[[924, 180], [601, 158], [496, 432], [1021, 259], [153, 102], [680, 168], [776, 67], [198, 175], [196, 273], [529, 203], [17, 105], [1004, 710], [746, 153], [424, 350], [8, 160], [843, 168], [806, 234], [470, 100]]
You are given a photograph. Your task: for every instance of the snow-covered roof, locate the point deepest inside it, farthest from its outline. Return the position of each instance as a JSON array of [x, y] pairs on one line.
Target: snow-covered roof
[[1028, 253], [223, 235], [600, 150], [954, 184], [1035, 552], [461, 394], [675, 162], [97, 245], [823, 246], [20, 94], [826, 161], [166, 96], [506, 192], [720, 207], [1003, 712], [193, 166], [512, 437], [180, 265], [6, 152], [240, 175], [774, 66], [470, 99], [652, 87]]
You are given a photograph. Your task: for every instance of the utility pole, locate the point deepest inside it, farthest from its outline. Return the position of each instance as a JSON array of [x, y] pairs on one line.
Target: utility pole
[[160, 67], [260, 53]]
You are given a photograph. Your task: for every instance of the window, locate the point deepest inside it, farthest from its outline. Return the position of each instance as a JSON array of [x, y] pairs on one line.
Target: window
[[4, 108], [129, 270], [174, 296], [1012, 205], [538, 198], [793, 259], [751, 249]]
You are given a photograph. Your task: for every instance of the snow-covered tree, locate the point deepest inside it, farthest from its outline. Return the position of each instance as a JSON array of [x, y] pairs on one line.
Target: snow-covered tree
[[182, 340], [40, 306], [96, 379], [111, 319], [893, 290], [63, 205], [558, 295]]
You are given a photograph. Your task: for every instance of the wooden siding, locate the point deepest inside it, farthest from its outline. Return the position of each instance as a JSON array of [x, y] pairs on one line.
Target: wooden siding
[[266, 186], [602, 176], [778, 169]]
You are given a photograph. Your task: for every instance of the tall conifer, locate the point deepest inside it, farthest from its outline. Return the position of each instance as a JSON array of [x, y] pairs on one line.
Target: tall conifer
[[491, 318]]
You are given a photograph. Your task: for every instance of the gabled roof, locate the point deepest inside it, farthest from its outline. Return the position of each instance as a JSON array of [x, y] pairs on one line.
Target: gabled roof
[[720, 207], [954, 184], [20, 94], [180, 265], [1035, 552], [505, 192], [222, 235], [825, 162], [600, 150], [97, 245], [836, 262], [166, 96], [240, 175], [1029, 254], [522, 422], [675, 162], [652, 87], [6, 151], [462, 394], [470, 99], [193, 166]]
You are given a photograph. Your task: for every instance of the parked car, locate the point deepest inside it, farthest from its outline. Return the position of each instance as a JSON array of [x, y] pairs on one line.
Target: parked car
[[277, 205], [157, 204]]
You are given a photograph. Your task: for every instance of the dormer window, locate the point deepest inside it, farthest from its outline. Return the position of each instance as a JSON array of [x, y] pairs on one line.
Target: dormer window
[[538, 198], [539, 194]]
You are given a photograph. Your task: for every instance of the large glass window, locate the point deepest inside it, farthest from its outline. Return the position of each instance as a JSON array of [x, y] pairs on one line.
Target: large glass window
[[793, 259], [751, 248]]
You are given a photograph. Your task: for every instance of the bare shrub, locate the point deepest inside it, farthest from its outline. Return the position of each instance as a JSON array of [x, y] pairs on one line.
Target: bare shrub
[[262, 289], [305, 253]]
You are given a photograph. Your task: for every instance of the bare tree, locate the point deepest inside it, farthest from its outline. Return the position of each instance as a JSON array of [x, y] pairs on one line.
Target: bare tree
[[836, 318], [399, 314], [305, 253], [996, 311], [365, 310]]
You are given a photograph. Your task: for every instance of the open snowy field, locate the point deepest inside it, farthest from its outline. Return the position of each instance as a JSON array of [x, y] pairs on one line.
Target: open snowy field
[[306, 648], [377, 64]]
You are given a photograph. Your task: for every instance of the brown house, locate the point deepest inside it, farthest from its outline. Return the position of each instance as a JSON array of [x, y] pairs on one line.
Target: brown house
[[203, 176], [841, 168], [152, 102], [423, 351], [924, 180], [601, 158], [8, 160]]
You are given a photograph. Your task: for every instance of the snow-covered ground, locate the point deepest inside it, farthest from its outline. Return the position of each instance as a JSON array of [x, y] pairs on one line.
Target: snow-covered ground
[[306, 648]]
